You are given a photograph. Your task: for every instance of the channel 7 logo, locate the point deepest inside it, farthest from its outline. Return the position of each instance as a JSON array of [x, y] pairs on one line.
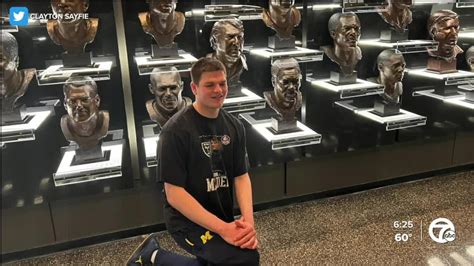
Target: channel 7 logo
[[19, 16]]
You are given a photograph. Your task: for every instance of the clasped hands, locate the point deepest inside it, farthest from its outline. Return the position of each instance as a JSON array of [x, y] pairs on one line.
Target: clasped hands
[[240, 233]]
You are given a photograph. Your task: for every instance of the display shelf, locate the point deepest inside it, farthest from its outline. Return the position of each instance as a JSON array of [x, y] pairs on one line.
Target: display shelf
[[146, 64], [361, 88], [302, 137], [406, 47], [461, 102], [464, 4], [57, 74], [8, 28], [302, 55], [249, 117], [216, 12], [25, 131], [456, 78], [432, 94], [468, 91], [363, 6], [69, 174], [428, 2], [466, 36], [150, 143], [458, 99], [325, 6], [404, 119], [250, 101]]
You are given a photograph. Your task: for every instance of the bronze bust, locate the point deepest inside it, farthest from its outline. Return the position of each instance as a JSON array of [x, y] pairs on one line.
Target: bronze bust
[[443, 26], [84, 123], [282, 17], [166, 85], [286, 98], [227, 40], [398, 14], [391, 65], [470, 58], [13, 82], [344, 29], [162, 22], [73, 34]]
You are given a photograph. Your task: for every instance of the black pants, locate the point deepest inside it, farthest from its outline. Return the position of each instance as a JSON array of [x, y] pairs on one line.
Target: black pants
[[210, 249]]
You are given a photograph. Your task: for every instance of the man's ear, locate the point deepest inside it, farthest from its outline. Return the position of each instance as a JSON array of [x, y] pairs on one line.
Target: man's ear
[[379, 67], [333, 34], [193, 88], [274, 82], [213, 42], [17, 61], [97, 100], [433, 32], [86, 5], [150, 88]]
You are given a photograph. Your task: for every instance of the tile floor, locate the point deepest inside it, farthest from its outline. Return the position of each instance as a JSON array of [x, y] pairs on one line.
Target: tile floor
[[350, 229]]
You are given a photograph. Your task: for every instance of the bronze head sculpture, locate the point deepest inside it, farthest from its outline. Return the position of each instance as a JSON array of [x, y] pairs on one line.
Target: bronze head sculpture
[[84, 123], [13, 82], [286, 98], [227, 40], [391, 65], [344, 29], [166, 86], [398, 14], [470, 58], [443, 26], [162, 22], [282, 17], [72, 34]]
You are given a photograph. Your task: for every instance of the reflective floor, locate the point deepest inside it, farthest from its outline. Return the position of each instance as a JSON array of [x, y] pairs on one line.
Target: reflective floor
[[389, 225]]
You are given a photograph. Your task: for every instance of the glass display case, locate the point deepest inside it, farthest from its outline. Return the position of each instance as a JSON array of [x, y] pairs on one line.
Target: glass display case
[[111, 80], [47, 159]]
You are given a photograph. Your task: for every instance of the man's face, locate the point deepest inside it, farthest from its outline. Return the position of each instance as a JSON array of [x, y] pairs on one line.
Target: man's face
[[283, 5], [163, 6], [394, 68], [230, 42], [446, 34], [69, 7], [286, 85], [211, 90], [401, 4], [7, 69], [348, 33], [167, 88], [80, 105], [470, 62]]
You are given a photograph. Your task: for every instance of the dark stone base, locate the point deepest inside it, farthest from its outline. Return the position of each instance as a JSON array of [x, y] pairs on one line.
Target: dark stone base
[[235, 90], [157, 129], [161, 52], [343, 79], [470, 96], [274, 42], [79, 60], [392, 35], [13, 117], [446, 90], [384, 108], [441, 66], [279, 125], [89, 156]]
